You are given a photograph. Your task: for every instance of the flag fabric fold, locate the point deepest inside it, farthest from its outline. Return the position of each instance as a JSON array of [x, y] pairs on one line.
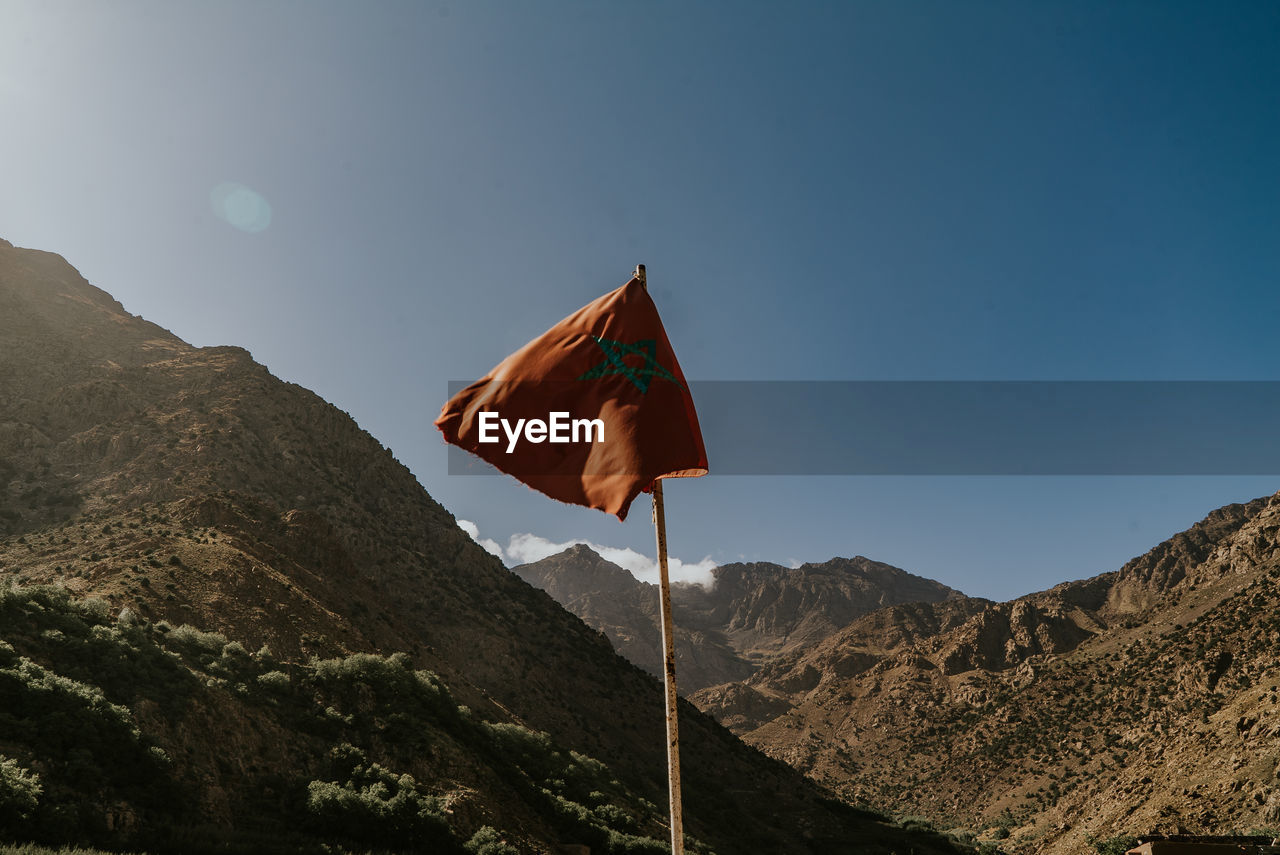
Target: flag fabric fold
[[604, 383]]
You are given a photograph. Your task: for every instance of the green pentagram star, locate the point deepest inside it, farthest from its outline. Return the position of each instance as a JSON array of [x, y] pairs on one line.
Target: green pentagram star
[[614, 354]]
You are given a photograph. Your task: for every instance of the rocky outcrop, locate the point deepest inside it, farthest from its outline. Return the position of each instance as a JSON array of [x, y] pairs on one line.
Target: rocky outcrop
[[1005, 635], [1185, 557], [751, 615], [739, 706]]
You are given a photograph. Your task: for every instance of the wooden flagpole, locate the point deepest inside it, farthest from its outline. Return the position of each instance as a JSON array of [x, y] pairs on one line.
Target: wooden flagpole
[[669, 659], [669, 672]]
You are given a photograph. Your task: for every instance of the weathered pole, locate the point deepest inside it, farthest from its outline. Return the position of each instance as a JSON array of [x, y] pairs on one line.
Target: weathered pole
[[669, 675], [668, 658]]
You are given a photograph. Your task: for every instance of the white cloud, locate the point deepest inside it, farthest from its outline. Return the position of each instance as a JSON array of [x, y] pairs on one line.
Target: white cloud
[[524, 547], [489, 545]]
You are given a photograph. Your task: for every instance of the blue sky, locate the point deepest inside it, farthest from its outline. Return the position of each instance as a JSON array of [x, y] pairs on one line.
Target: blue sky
[[853, 191]]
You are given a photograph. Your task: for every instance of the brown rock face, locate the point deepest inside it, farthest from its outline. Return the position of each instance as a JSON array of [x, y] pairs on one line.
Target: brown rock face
[[1130, 702], [1004, 635], [752, 613]]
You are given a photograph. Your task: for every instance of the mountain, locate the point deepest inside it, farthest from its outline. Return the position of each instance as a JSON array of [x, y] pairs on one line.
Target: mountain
[[165, 510], [1145, 699], [750, 614]]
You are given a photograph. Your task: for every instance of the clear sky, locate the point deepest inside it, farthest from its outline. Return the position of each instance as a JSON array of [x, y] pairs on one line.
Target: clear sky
[[377, 198]]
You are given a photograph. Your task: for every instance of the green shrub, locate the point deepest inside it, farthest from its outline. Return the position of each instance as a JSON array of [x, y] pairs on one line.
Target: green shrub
[[630, 844], [361, 685], [19, 793], [376, 806], [274, 681], [190, 641], [95, 610], [70, 673], [487, 841], [614, 817], [1117, 845]]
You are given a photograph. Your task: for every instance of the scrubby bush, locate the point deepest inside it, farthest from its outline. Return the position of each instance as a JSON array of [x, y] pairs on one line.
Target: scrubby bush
[[1117, 845], [363, 686], [619, 843], [19, 793], [191, 642], [378, 807], [70, 674], [487, 841], [274, 681], [567, 782]]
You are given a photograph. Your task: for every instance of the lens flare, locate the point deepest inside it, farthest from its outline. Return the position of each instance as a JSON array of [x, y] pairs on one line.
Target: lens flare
[[241, 207]]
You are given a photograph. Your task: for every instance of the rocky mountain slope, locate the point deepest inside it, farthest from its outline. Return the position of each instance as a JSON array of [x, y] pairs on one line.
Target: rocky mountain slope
[[189, 486], [1139, 700], [724, 633], [1143, 699]]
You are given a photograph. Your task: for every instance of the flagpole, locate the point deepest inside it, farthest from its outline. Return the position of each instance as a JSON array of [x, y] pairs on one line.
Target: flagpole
[[669, 672], [668, 658]]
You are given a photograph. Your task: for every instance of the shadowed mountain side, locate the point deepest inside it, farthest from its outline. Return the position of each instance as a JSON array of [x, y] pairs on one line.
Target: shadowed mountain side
[[723, 633], [190, 485], [611, 600]]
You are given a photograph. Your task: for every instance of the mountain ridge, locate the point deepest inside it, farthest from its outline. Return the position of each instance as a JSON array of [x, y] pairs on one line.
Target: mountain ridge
[[1051, 716]]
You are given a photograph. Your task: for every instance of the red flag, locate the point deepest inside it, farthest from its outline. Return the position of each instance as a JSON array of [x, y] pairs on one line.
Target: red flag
[[613, 407]]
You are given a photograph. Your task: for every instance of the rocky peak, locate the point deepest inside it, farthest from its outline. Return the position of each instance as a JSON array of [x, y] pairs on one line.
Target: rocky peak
[[1183, 559], [579, 572]]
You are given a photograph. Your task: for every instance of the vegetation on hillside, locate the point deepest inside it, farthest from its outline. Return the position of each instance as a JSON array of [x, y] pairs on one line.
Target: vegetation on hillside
[[96, 714]]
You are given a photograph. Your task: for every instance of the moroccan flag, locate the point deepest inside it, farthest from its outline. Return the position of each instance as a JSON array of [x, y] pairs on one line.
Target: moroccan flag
[[591, 412]]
